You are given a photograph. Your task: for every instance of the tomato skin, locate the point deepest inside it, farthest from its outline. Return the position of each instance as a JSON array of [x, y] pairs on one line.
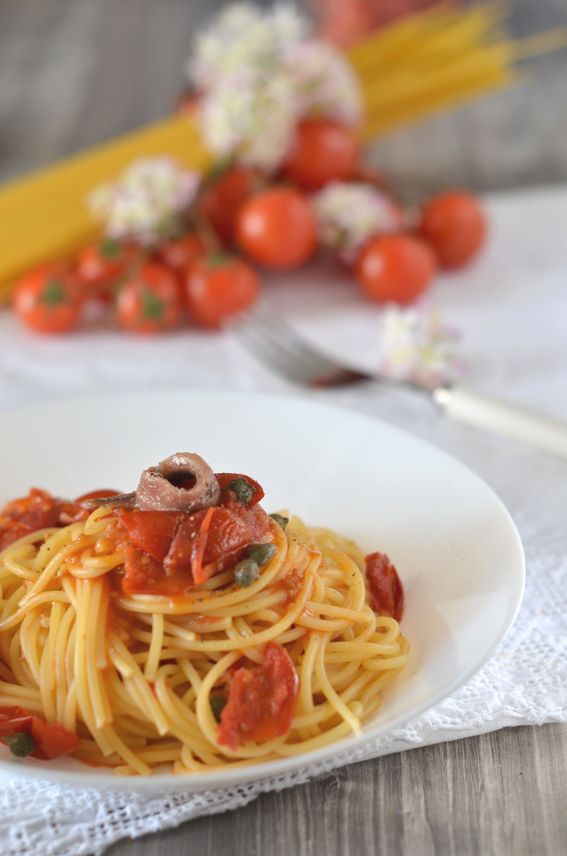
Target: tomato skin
[[395, 268], [183, 252], [52, 739], [223, 198], [217, 290], [322, 151], [48, 299], [149, 302], [454, 224], [224, 480], [277, 228], [261, 700], [37, 510], [386, 592], [98, 266], [150, 531]]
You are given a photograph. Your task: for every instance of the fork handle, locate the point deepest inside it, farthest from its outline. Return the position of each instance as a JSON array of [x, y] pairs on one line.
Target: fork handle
[[522, 423]]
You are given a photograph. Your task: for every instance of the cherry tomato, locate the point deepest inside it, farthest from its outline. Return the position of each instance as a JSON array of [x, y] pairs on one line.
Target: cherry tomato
[[261, 700], [48, 300], [149, 300], [224, 196], [322, 151], [183, 252], [50, 739], [385, 589], [100, 265], [219, 287], [395, 268], [277, 228], [454, 224]]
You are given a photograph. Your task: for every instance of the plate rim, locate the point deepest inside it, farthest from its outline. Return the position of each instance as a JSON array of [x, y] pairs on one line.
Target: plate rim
[[292, 765]]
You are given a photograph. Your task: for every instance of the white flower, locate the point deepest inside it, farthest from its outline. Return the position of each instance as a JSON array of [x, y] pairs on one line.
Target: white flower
[[418, 345], [350, 213], [251, 117], [325, 82], [146, 202], [244, 37]]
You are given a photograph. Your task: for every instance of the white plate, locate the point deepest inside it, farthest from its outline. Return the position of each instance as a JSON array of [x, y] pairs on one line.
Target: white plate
[[454, 543]]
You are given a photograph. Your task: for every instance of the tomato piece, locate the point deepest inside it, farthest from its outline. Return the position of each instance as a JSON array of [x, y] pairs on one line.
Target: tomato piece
[[223, 198], [277, 228], [322, 151], [385, 588], [183, 252], [454, 224], [224, 480], [12, 532], [51, 738], [395, 268], [261, 700], [217, 288], [19, 517], [145, 575], [151, 531], [149, 301], [100, 265], [48, 300]]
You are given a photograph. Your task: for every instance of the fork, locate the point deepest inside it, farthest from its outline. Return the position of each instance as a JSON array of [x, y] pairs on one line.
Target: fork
[[275, 344]]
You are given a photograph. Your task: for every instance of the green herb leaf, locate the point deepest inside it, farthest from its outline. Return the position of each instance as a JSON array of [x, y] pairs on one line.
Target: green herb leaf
[[261, 553], [243, 490], [217, 702], [21, 744], [280, 520], [246, 572]]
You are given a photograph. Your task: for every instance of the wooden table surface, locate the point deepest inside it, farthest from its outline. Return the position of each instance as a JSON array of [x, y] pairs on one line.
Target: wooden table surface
[[76, 72]]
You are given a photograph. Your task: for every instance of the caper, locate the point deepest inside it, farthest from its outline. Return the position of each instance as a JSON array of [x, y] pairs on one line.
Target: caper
[[261, 553], [217, 702], [280, 520], [21, 744], [243, 490], [246, 572]]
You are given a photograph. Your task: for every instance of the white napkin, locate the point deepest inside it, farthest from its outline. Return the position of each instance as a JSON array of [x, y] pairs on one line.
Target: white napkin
[[512, 309]]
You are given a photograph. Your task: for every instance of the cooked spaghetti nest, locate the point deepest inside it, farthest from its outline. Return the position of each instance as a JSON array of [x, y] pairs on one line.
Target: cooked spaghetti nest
[[133, 675]]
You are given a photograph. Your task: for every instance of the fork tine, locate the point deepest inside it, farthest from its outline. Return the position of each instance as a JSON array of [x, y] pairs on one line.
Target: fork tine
[[285, 341], [277, 358]]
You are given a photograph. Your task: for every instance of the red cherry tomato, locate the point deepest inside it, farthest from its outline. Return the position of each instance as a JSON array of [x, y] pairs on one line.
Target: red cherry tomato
[[385, 589], [149, 302], [224, 196], [183, 252], [277, 228], [322, 151], [217, 288], [50, 738], [261, 700], [100, 265], [395, 268], [454, 224], [48, 300]]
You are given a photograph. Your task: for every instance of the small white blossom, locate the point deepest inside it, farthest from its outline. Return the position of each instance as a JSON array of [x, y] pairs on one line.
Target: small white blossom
[[244, 37], [349, 213], [325, 82], [250, 117], [418, 346], [146, 202]]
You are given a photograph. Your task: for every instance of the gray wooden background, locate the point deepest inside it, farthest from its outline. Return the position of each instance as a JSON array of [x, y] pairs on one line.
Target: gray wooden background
[[76, 72]]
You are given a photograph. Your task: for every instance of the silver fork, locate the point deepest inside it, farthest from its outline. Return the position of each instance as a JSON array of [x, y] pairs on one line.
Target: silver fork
[[276, 345]]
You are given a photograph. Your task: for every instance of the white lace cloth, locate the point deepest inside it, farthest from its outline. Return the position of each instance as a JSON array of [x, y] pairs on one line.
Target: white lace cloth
[[512, 309]]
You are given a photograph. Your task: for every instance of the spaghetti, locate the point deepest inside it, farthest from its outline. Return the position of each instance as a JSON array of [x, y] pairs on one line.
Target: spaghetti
[[269, 640]]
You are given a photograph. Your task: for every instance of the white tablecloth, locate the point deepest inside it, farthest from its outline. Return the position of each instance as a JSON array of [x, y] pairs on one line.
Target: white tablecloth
[[512, 310]]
